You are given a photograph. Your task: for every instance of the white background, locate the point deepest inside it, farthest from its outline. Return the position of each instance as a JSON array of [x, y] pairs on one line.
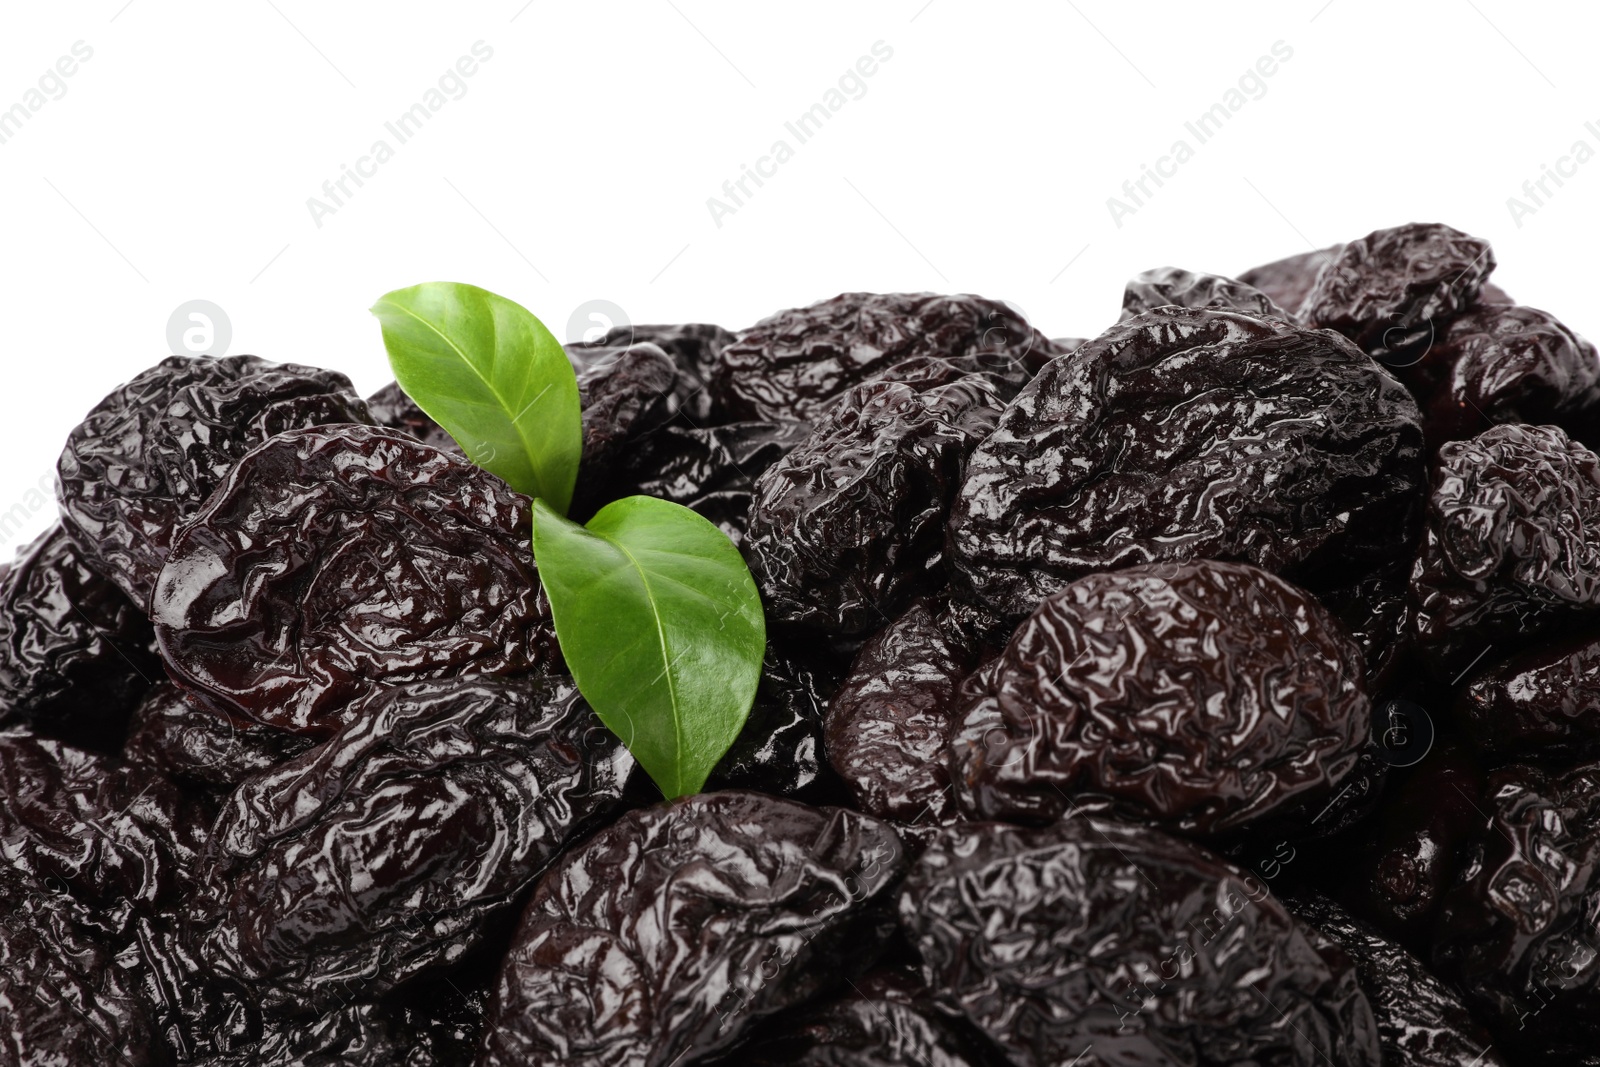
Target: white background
[[178, 162]]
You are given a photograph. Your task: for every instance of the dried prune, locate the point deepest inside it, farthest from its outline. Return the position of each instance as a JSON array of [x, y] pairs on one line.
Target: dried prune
[[1509, 548], [361, 1035], [341, 557], [1516, 930], [383, 851], [1421, 1022], [889, 723], [1187, 433], [888, 1019], [848, 527], [391, 407], [62, 1002], [1147, 949], [1505, 363], [665, 936], [625, 393], [1166, 286], [695, 348], [146, 457], [780, 748], [1205, 695], [75, 653], [711, 470], [793, 364], [1542, 703], [187, 742], [1287, 281], [1393, 290], [1376, 612], [113, 836]]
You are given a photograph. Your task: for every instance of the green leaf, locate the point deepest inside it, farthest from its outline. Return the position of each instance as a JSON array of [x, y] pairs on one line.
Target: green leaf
[[490, 373], [661, 625]]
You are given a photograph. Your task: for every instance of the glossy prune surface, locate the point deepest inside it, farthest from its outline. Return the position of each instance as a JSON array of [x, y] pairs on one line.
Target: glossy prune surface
[[1287, 281], [75, 652], [338, 558], [1393, 291], [849, 526], [147, 456], [1186, 433], [1509, 550], [666, 936], [1172, 286], [1092, 934], [780, 748], [391, 407], [182, 740], [1541, 704], [1206, 696], [443, 799], [625, 393], [695, 349], [793, 364]]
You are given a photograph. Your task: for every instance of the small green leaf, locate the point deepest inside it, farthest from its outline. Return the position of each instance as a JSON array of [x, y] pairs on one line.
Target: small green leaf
[[661, 625], [490, 373]]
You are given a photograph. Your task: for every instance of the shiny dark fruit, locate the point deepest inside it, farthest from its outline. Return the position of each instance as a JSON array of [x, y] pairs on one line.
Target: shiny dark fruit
[[849, 527], [146, 457], [1510, 549], [183, 740], [1172, 286], [1206, 696], [383, 852], [892, 718], [1394, 291], [1287, 281], [1421, 1021], [1192, 433], [1540, 704], [75, 652], [340, 558], [793, 364], [391, 407], [780, 748], [1091, 934], [625, 393], [695, 349], [665, 937]]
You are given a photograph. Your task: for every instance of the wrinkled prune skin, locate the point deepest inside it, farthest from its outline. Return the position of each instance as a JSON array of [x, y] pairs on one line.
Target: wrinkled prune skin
[[1516, 930], [1540, 704], [887, 1019], [666, 936], [144, 459], [391, 407], [335, 559], [1509, 549], [712, 471], [1207, 696], [194, 1015], [1192, 433], [849, 527], [75, 653], [695, 348], [1171, 286], [1376, 612], [361, 1035], [1394, 290], [1504, 363], [793, 364], [890, 722], [193, 744], [1147, 948], [780, 748], [446, 798], [625, 393], [1287, 281], [62, 1002], [119, 839], [1421, 1022]]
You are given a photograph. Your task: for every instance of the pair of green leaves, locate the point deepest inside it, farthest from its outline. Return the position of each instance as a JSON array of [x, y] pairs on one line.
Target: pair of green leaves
[[657, 615]]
